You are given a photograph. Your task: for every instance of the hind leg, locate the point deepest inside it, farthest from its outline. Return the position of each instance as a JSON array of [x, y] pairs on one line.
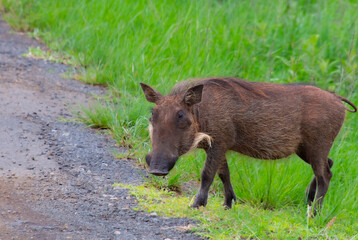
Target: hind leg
[[311, 190], [321, 166], [323, 176]]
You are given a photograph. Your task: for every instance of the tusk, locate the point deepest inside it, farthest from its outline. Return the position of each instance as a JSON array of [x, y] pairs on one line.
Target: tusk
[[150, 128], [200, 136]]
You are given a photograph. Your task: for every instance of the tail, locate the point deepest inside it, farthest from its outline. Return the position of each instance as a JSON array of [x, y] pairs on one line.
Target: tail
[[349, 102]]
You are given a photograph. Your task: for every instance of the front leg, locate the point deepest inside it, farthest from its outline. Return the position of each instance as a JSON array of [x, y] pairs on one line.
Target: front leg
[[224, 175], [207, 176]]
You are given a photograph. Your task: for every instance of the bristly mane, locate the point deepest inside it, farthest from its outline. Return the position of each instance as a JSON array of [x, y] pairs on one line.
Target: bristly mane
[[225, 82]]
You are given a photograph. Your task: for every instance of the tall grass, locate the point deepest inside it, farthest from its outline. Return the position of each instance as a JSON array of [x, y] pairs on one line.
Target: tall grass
[[122, 43]]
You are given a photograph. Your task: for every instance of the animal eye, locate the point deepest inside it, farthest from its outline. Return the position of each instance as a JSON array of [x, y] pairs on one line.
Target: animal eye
[[180, 114]]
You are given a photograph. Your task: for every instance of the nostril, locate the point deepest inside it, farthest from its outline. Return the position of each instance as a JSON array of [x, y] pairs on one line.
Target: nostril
[[147, 159]]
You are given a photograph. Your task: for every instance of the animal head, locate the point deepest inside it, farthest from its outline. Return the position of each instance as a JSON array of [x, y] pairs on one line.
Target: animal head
[[173, 128]]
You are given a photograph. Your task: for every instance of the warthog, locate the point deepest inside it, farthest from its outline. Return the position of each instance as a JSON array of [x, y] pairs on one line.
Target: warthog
[[260, 120]]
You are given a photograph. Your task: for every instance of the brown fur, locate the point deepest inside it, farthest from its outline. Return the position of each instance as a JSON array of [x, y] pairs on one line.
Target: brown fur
[[260, 120]]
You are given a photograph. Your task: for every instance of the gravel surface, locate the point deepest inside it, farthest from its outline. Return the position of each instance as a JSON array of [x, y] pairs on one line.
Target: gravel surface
[[56, 177]]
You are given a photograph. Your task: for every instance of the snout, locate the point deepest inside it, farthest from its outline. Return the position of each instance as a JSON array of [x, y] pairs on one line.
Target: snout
[[160, 165]]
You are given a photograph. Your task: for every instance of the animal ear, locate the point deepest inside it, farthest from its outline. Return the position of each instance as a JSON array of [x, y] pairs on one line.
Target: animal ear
[[151, 94], [193, 95]]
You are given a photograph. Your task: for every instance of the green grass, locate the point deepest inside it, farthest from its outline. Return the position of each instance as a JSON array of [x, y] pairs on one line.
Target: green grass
[[243, 220], [122, 43]]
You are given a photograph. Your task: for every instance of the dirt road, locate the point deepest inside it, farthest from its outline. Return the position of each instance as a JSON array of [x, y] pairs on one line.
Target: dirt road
[[55, 176]]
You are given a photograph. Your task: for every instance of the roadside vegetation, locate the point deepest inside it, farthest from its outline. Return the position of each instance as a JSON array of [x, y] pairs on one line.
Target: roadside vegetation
[[122, 43]]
